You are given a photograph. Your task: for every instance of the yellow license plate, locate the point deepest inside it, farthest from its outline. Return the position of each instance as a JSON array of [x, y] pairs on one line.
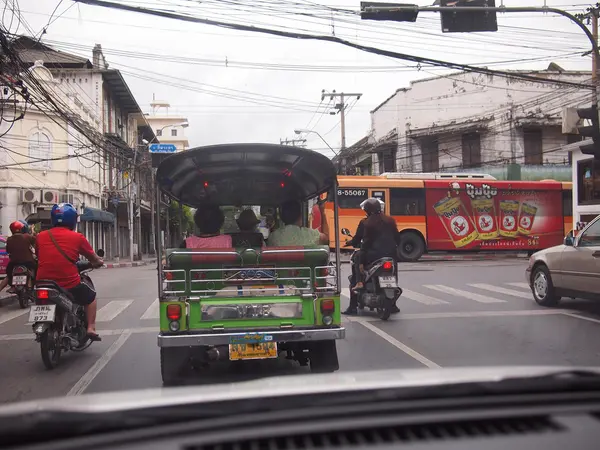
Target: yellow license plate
[[263, 350]]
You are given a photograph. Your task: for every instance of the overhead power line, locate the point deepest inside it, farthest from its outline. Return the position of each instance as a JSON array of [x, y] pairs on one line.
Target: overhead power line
[[333, 39]]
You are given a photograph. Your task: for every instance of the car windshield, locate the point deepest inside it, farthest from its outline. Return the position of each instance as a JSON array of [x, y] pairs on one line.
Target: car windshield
[[293, 188]]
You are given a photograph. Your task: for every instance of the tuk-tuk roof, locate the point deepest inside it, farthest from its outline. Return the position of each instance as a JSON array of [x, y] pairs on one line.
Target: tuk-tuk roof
[[245, 174]]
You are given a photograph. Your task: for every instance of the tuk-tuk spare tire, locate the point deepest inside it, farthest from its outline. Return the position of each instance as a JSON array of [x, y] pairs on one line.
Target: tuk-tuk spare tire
[[412, 246]]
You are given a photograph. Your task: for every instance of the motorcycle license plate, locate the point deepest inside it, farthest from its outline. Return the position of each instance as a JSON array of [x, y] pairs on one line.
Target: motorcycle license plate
[[19, 280], [42, 313], [388, 281]]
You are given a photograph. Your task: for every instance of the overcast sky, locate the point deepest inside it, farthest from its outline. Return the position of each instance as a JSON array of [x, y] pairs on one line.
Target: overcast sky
[[249, 87]]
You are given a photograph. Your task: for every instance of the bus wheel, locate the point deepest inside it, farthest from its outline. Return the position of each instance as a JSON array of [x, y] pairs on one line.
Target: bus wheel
[[411, 246]]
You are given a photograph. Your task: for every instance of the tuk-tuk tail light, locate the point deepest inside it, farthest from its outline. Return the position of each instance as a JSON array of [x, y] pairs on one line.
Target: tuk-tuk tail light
[[327, 307], [174, 312], [169, 275]]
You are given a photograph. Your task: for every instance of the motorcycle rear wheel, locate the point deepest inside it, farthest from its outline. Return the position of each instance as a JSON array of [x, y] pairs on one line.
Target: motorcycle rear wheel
[[50, 347], [385, 310], [23, 297]]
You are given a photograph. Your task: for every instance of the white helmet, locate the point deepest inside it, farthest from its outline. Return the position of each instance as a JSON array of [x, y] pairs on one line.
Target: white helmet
[[381, 202]]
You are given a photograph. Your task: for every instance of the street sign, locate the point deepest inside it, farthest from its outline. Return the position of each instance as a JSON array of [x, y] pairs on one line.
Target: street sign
[[469, 21], [162, 148]]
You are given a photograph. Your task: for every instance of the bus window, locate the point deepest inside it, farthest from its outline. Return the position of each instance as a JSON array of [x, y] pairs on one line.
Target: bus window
[[351, 197], [407, 201]]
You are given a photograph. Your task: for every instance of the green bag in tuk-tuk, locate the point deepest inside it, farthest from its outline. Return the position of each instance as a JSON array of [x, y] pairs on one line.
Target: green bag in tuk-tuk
[[245, 302]]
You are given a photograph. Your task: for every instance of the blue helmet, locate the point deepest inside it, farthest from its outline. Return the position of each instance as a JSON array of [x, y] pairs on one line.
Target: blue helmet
[[64, 215]]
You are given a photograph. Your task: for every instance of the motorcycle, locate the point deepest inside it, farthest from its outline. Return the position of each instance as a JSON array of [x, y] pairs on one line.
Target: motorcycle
[[22, 281], [60, 324], [381, 290]]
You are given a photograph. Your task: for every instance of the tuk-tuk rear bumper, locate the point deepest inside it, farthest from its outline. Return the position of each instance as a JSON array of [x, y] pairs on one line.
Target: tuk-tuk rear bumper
[[200, 339]]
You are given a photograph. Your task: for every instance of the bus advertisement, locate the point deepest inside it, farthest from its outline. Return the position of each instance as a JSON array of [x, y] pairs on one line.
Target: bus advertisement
[[466, 214]]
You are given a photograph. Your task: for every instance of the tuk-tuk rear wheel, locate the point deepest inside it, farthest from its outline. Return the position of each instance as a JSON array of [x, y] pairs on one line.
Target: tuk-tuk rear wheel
[[323, 357], [174, 362]]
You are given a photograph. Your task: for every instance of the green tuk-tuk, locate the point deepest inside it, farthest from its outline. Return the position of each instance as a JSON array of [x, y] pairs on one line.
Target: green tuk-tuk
[[248, 302]]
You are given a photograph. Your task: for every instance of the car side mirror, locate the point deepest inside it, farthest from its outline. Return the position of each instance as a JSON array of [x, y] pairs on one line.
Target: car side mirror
[[346, 232], [569, 239]]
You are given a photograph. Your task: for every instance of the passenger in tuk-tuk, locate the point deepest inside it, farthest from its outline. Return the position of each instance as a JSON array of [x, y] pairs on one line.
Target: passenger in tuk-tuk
[[293, 233], [248, 236], [209, 219]]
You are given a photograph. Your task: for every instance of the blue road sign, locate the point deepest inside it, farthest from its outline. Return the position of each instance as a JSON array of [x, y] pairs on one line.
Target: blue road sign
[[162, 148]]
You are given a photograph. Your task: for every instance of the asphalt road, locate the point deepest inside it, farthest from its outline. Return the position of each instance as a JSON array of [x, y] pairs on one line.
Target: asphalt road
[[453, 314]]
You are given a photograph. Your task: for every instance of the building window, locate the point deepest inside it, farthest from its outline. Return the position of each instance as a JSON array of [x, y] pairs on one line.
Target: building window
[[407, 201], [173, 132], [588, 182], [159, 132], [430, 155], [387, 161], [532, 143], [40, 150], [471, 150]]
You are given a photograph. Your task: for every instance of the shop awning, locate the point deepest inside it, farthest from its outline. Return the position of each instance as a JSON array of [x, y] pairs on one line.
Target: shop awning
[[97, 215], [43, 215]]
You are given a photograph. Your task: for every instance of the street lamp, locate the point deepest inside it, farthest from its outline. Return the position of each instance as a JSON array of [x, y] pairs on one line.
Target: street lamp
[[315, 132]]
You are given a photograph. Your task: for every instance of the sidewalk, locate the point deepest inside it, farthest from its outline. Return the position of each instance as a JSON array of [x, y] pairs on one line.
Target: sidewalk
[[126, 262]]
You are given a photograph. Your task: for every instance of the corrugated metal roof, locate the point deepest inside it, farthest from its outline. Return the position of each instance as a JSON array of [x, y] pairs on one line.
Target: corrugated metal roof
[[30, 51]]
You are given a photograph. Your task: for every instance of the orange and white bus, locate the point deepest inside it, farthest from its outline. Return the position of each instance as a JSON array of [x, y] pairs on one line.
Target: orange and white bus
[[459, 212]]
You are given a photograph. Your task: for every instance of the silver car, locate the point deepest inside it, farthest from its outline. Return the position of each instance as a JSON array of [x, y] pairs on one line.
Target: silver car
[[568, 270]]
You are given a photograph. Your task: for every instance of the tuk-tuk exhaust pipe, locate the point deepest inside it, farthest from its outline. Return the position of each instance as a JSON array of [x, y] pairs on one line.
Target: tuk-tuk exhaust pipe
[[218, 353]]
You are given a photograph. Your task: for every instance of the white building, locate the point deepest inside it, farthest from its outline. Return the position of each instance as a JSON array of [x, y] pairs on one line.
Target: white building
[[169, 128], [466, 120], [45, 160]]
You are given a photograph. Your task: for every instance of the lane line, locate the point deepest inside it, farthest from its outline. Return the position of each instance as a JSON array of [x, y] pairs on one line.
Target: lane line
[[153, 311], [501, 290], [112, 309], [465, 315], [399, 345], [520, 285], [10, 315], [116, 332], [466, 294], [577, 316], [93, 371], [421, 298]]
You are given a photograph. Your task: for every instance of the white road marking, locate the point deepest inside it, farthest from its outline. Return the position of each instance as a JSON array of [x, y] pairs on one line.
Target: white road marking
[[421, 298], [10, 315], [396, 343], [521, 285], [501, 290], [466, 315], [112, 309], [577, 316], [153, 311], [466, 294], [93, 372]]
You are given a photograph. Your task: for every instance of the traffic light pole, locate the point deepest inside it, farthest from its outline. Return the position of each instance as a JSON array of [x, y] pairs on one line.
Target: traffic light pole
[[503, 9]]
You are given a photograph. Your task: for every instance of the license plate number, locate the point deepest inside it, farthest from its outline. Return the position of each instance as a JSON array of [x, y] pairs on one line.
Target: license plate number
[[20, 280], [388, 281], [42, 313], [262, 350]]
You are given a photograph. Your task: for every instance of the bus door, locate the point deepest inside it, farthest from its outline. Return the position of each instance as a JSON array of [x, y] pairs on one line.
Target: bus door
[[383, 195]]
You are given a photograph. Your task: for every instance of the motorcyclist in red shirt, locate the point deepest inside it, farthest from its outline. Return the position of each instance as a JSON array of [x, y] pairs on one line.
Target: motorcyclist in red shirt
[[18, 247], [58, 250]]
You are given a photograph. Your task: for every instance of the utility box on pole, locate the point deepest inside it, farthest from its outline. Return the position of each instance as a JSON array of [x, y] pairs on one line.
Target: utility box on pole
[[469, 21], [592, 130]]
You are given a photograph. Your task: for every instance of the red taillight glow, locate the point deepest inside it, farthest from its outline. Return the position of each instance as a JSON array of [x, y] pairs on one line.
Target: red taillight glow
[[388, 265], [327, 306], [200, 276], [42, 294], [169, 275], [174, 312], [282, 185], [206, 184]]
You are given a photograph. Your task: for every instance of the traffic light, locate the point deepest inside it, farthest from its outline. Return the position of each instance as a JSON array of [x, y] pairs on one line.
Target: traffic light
[[590, 131]]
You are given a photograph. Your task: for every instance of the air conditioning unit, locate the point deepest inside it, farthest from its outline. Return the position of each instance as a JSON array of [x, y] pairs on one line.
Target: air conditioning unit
[[30, 196], [67, 198], [50, 197]]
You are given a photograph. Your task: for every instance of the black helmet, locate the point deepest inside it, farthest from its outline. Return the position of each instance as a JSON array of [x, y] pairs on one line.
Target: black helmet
[[372, 206]]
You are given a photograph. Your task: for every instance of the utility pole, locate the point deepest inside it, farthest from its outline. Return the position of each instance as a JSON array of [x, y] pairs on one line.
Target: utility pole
[[341, 107]]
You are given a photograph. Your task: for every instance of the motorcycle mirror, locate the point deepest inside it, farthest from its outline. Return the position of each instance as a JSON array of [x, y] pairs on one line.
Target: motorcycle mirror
[[346, 232], [100, 253]]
